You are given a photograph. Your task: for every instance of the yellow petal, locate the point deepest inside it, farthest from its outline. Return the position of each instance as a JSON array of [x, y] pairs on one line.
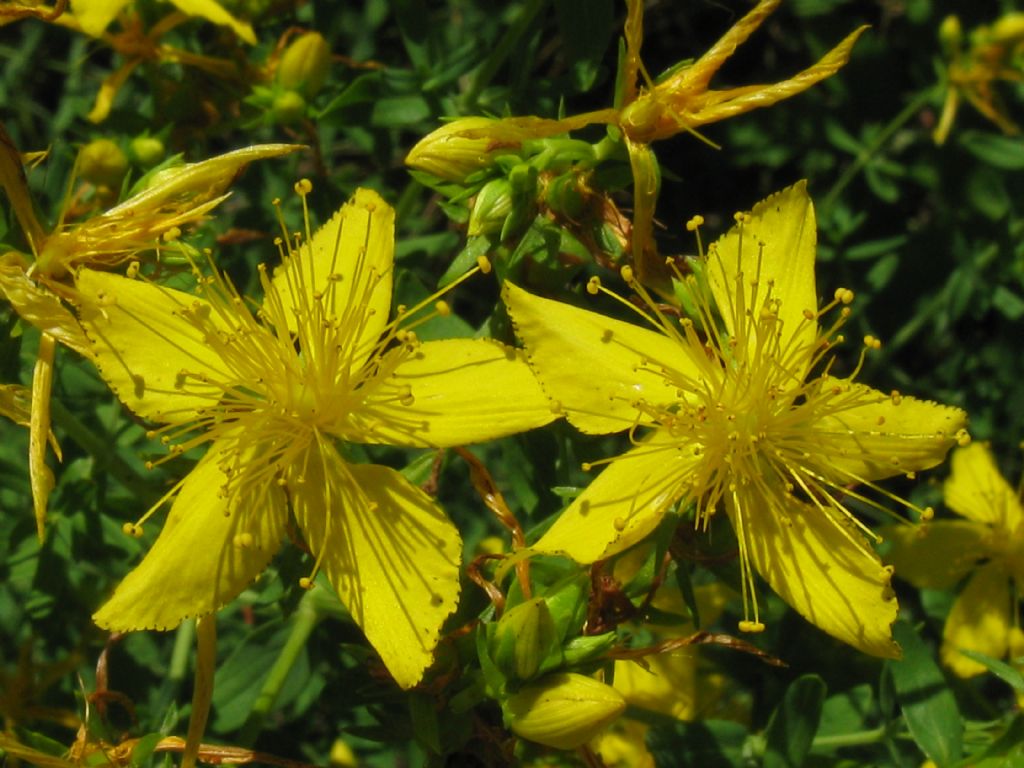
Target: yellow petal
[[775, 246], [453, 392], [936, 555], [95, 15], [668, 685], [108, 90], [206, 553], [623, 504], [722, 105], [39, 430], [389, 551], [595, 368], [40, 308], [980, 620], [351, 268], [142, 342], [823, 569], [977, 490], [213, 11], [872, 435]]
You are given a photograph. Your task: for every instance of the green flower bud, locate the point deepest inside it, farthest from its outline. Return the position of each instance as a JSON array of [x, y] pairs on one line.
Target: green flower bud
[[523, 638], [563, 711], [304, 64], [289, 107], [951, 36], [460, 148], [493, 204], [147, 150], [103, 163], [564, 195], [1008, 29]]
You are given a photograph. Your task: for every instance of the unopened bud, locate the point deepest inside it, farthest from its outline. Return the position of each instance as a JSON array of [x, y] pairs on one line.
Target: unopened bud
[[523, 638], [289, 107], [462, 147], [563, 711], [950, 36], [492, 206], [588, 648], [103, 163], [1008, 29], [147, 150], [304, 64]]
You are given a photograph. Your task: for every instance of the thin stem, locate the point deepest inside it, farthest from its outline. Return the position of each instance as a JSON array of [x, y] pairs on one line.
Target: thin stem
[[178, 669], [305, 619], [856, 739], [867, 153], [202, 693]]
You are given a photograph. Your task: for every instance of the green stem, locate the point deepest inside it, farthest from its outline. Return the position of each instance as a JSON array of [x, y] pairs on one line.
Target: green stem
[[305, 619], [872, 149], [501, 51], [855, 739], [202, 692]]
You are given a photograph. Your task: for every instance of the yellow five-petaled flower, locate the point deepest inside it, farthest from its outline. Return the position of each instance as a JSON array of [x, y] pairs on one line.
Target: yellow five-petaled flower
[[739, 408], [988, 544], [277, 393]]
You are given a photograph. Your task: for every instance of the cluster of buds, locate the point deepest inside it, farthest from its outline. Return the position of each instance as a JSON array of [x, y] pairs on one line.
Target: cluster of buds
[[539, 665], [296, 74]]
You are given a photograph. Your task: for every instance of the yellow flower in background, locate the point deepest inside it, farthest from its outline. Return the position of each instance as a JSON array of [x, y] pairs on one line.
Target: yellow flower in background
[[669, 683], [644, 113], [37, 284], [994, 53], [988, 545], [95, 16], [277, 392], [744, 414]]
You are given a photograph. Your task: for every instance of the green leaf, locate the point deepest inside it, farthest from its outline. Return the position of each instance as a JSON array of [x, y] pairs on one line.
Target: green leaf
[[708, 744], [794, 723], [927, 703], [1001, 152], [144, 748], [1000, 669]]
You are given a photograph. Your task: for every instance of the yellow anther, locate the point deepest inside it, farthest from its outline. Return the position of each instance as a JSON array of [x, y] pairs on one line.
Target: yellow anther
[[484, 264], [586, 466], [740, 217], [751, 626], [693, 223], [844, 295], [243, 540], [303, 187], [620, 524], [133, 270], [443, 308], [627, 274], [306, 583], [963, 438], [927, 514], [594, 285], [171, 234], [131, 529], [872, 342], [896, 397], [808, 314]]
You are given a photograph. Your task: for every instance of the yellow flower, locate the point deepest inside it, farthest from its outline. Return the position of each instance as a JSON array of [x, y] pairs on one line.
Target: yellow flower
[[35, 284], [989, 543], [277, 393], [746, 415], [995, 53], [680, 102]]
